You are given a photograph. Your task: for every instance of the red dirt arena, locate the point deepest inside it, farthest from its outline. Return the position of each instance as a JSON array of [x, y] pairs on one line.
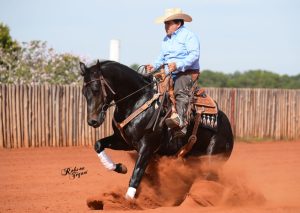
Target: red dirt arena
[[259, 177]]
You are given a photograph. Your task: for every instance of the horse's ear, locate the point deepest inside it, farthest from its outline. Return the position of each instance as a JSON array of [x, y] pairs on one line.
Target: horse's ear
[[82, 68], [98, 62]]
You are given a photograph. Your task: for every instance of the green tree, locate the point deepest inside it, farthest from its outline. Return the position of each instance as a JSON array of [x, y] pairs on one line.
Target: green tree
[[295, 82], [209, 78], [34, 62], [249, 79], [6, 42], [40, 64], [9, 53]]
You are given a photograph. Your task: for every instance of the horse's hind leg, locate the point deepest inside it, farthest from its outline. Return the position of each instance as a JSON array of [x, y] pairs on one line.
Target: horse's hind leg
[[220, 146], [111, 142], [211, 173], [217, 152]]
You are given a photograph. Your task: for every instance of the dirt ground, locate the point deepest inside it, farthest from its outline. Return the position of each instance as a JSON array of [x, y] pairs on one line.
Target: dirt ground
[[259, 177]]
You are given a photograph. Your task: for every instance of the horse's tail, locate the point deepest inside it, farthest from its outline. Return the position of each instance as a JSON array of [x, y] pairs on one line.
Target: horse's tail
[[224, 135]]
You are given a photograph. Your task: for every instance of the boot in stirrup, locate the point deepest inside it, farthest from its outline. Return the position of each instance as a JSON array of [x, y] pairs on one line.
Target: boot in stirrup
[[173, 121]]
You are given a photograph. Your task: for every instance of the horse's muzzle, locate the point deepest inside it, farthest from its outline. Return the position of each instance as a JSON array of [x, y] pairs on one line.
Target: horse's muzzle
[[96, 121]]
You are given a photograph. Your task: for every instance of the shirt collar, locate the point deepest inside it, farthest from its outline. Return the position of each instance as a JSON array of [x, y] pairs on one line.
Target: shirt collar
[[176, 32]]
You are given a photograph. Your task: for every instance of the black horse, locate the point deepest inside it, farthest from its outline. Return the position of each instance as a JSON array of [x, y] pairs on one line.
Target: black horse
[[108, 81]]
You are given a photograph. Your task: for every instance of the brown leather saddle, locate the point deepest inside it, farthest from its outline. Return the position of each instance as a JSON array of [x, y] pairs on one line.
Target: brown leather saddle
[[203, 103]]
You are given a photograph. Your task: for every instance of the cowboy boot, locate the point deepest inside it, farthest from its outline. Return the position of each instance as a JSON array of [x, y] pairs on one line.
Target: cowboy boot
[[178, 119], [181, 106], [173, 121]]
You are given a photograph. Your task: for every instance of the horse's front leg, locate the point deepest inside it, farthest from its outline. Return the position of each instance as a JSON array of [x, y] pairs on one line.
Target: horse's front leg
[[111, 142], [144, 155]]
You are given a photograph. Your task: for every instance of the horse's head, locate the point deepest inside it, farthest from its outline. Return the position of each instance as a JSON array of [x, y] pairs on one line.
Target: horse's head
[[96, 94]]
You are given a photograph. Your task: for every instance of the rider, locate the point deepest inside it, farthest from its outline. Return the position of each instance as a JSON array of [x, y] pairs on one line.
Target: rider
[[181, 51]]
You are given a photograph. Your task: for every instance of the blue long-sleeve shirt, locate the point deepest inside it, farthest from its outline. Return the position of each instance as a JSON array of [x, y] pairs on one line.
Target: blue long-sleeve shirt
[[183, 48]]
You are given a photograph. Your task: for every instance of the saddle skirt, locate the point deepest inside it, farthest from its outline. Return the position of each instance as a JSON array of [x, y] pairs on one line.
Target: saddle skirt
[[203, 104]]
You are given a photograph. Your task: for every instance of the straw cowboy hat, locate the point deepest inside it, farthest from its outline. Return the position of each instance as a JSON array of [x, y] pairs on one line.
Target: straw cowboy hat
[[172, 14]]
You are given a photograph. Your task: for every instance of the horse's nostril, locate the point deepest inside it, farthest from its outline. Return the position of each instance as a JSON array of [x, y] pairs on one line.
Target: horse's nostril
[[92, 122]]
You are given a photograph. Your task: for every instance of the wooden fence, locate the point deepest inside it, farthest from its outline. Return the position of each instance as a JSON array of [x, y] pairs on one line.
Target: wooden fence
[[52, 115]]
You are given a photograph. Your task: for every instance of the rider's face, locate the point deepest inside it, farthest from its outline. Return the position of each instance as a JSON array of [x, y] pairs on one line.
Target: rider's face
[[171, 27]]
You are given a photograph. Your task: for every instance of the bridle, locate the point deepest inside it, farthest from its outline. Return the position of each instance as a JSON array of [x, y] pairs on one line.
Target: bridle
[[104, 83], [106, 106]]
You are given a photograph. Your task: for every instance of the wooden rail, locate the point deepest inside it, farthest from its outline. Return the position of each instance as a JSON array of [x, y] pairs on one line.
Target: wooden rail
[[52, 115]]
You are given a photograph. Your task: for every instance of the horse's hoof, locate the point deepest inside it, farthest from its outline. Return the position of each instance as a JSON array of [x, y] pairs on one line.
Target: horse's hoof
[[130, 193], [120, 168]]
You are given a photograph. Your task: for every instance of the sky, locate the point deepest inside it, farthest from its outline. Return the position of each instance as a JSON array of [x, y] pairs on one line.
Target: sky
[[235, 35]]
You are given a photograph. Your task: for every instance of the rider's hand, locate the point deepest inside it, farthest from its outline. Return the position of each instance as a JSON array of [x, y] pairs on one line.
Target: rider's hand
[[172, 67], [158, 75], [149, 67]]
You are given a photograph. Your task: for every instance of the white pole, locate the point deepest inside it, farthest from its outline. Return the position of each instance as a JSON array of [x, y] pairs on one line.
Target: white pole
[[114, 50]]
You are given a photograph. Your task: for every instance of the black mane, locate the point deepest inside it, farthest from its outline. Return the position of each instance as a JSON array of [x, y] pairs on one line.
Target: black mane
[[126, 70]]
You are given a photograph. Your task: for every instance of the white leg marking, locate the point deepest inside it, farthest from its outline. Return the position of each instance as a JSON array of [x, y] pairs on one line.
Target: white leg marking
[[130, 193], [106, 161]]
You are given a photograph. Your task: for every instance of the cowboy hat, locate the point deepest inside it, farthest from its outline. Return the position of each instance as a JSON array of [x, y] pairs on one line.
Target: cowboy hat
[[173, 14]]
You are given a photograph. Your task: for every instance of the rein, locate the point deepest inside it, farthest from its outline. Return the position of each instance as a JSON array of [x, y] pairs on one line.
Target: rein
[[104, 83], [106, 106], [131, 94]]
